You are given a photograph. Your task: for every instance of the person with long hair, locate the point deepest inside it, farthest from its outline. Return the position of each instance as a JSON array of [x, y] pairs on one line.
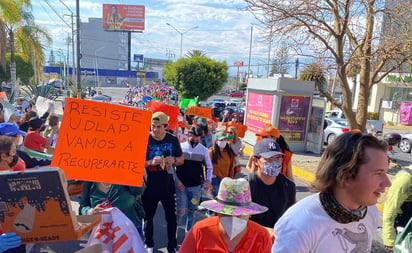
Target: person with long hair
[[223, 160], [236, 144], [113, 19]]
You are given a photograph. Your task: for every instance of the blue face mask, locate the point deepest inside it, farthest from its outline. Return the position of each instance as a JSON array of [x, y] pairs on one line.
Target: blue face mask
[[271, 169]]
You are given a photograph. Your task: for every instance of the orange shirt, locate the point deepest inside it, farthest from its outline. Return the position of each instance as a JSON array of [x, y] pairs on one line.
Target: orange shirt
[[225, 166], [205, 236]]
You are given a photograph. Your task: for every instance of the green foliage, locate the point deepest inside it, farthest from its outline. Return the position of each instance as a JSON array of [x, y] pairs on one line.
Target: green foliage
[[73, 87], [194, 52], [314, 72], [196, 76], [47, 91], [280, 60], [242, 86], [373, 116], [24, 68]]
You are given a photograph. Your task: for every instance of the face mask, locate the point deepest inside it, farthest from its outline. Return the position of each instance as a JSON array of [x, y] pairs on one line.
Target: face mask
[[221, 144], [193, 143], [20, 141], [233, 225], [271, 169], [15, 159]]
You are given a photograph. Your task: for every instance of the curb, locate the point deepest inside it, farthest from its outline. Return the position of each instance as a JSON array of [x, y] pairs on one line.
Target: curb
[[305, 175]]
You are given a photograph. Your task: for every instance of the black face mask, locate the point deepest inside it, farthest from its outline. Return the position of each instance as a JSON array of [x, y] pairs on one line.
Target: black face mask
[[15, 159], [193, 143]]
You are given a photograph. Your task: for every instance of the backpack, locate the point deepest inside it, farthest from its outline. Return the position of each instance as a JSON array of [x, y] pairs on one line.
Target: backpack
[[403, 241]]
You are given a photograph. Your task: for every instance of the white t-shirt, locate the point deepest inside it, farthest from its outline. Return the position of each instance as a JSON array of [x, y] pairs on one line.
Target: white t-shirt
[[306, 227]]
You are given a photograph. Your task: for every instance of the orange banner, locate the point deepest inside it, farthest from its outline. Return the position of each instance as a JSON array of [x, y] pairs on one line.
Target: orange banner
[[102, 142], [199, 111], [170, 110], [3, 95]]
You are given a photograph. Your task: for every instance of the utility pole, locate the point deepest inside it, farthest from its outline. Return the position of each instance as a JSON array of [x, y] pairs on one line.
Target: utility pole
[[250, 52], [78, 80], [296, 68]]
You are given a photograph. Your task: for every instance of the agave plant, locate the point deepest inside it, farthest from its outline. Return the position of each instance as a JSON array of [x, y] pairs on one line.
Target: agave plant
[[47, 91]]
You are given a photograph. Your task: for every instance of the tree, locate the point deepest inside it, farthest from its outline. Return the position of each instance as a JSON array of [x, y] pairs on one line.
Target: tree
[[280, 60], [23, 34], [24, 68], [194, 52], [340, 33], [196, 76], [314, 72]]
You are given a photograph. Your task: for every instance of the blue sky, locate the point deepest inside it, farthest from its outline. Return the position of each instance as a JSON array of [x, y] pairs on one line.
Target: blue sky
[[223, 31]]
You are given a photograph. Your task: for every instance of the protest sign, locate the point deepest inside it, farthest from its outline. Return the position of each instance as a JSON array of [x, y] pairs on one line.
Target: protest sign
[[3, 94], [36, 206], [241, 129], [170, 110], [42, 105], [187, 102], [199, 111], [102, 142]]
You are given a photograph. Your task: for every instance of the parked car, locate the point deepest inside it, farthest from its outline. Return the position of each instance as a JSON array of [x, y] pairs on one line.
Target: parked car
[[238, 94], [102, 98], [334, 127], [371, 125], [231, 112], [406, 142], [217, 108]]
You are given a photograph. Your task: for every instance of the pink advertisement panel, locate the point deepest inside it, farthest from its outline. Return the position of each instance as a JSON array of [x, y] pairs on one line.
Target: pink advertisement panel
[[121, 17], [259, 111], [405, 113], [293, 116]]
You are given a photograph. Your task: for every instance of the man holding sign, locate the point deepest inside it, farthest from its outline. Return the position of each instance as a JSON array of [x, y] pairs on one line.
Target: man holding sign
[[163, 152]]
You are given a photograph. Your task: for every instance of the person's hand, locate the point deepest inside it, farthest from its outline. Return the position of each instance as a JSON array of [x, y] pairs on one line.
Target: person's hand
[[95, 210], [208, 187], [170, 160], [157, 160], [180, 186], [9, 241]]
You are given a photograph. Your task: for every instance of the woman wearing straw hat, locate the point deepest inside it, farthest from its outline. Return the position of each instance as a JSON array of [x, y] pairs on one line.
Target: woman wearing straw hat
[[231, 230]]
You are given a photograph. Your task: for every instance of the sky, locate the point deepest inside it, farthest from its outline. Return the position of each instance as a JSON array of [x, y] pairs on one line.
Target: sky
[[223, 33]]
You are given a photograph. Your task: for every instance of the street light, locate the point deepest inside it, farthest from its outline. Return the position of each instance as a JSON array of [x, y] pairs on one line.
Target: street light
[[181, 35], [97, 66]]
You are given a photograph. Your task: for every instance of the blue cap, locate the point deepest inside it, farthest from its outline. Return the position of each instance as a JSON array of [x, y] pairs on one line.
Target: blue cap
[[10, 129]]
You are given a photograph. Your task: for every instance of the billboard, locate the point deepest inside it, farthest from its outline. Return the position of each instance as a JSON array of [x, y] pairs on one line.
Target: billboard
[[120, 17], [259, 111], [293, 116]]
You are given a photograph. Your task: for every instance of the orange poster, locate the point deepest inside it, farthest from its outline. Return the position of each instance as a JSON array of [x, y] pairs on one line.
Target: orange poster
[[199, 111], [241, 129], [102, 142], [3, 95], [170, 110]]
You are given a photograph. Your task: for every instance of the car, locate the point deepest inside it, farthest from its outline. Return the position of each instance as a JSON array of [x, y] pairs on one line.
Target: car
[[217, 108], [102, 98], [237, 94], [405, 144], [333, 128], [231, 112]]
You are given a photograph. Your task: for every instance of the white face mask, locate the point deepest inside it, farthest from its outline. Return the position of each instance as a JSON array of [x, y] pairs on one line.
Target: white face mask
[[233, 225], [221, 144]]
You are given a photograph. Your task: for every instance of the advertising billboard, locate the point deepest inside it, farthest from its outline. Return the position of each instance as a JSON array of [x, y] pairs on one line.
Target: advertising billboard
[[120, 17], [293, 116], [259, 111]]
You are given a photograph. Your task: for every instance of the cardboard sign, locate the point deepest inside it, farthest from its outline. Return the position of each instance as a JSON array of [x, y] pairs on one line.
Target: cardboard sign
[[43, 105], [187, 102], [7, 108], [3, 94], [199, 111], [102, 142], [241, 129], [36, 206], [170, 110]]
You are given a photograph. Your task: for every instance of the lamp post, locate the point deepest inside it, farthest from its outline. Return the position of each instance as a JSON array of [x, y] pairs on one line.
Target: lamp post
[[181, 35], [97, 66]]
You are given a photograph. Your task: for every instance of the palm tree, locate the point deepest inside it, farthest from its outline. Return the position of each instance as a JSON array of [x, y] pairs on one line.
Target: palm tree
[[23, 34], [314, 72], [10, 14], [194, 52]]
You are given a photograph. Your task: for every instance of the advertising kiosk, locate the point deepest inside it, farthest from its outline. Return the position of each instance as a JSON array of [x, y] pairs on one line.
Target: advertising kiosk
[[286, 103]]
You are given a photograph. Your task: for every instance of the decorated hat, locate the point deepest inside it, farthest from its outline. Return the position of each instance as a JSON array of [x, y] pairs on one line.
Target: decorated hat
[[266, 148], [160, 118], [234, 198], [269, 130], [220, 135]]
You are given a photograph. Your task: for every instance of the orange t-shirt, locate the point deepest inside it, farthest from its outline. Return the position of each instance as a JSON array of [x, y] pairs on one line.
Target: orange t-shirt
[[205, 236]]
